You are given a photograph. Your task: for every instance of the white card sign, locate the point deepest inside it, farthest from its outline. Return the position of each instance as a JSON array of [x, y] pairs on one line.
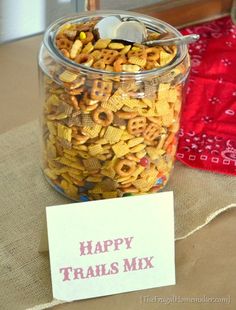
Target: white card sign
[[111, 246]]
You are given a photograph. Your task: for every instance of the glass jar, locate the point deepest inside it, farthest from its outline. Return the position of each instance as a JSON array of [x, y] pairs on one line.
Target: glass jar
[[109, 134]]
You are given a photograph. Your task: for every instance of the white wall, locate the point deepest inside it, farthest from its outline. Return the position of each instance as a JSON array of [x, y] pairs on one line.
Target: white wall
[[125, 4], [21, 18]]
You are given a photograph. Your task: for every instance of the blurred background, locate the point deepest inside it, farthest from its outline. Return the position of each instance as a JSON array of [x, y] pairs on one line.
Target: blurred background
[[22, 18]]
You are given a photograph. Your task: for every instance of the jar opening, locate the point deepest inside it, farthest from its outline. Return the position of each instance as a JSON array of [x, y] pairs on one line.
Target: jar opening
[[152, 25]]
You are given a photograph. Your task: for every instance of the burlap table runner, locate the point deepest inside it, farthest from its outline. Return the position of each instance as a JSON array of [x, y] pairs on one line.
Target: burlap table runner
[[24, 273]]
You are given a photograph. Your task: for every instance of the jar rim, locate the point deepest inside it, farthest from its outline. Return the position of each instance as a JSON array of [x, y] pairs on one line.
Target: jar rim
[[150, 22]]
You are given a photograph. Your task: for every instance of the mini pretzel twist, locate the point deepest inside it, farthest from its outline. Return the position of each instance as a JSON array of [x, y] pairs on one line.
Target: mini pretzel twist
[[101, 90], [137, 125], [84, 59], [108, 56], [125, 167], [119, 62], [153, 53], [151, 132], [100, 64], [64, 43]]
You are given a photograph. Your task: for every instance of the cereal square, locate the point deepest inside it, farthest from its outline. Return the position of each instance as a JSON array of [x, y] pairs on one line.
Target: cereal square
[[92, 132], [64, 132], [92, 164], [120, 149], [113, 134], [95, 149]]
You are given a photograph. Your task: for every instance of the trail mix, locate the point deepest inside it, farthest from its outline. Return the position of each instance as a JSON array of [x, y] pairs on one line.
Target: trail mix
[[105, 137], [79, 43]]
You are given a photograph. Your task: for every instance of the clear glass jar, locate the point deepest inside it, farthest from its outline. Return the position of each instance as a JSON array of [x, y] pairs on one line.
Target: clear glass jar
[[128, 148]]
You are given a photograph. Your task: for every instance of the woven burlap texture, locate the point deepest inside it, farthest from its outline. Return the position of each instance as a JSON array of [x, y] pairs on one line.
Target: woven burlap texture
[[24, 273]]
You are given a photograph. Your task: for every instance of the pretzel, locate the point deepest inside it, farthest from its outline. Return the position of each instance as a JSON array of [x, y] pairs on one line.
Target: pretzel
[[64, 43], [125, 167], [96, 54], [151, 132], [101, 90], [84, 59], [151, 64], [119, 61], [108, 56], [137, 125], [137, 52], [103, 116], [100, 64], [153, 53], [65, 53]]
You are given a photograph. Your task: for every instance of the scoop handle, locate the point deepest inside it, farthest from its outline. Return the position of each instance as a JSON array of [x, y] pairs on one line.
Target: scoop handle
[[190, 38]]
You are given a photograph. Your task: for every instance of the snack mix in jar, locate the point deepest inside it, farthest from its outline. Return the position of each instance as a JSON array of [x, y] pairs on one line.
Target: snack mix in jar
[[111, 108]]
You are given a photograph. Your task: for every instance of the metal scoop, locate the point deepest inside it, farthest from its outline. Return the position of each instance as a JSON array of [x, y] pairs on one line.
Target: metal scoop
[[131, 30]]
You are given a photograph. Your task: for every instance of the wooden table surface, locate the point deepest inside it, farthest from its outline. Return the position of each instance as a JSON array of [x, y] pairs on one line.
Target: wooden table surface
[[205, 261]]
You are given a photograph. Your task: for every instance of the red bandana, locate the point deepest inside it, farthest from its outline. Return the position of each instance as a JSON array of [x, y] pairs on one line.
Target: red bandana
[[207, 138]]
